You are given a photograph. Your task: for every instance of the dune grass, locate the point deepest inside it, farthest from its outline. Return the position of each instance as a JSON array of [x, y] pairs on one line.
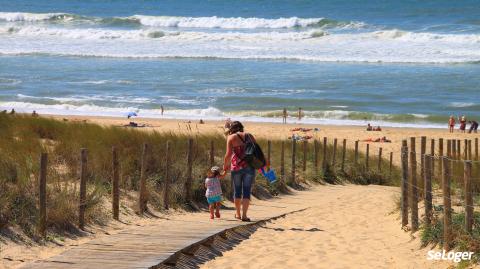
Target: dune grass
[[23, 138]]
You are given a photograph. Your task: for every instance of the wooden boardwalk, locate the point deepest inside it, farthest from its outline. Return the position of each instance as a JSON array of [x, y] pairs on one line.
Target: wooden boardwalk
[[143, 247]]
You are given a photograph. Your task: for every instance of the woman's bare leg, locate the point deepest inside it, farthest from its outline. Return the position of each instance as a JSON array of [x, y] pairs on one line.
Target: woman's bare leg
[[238, 204], [245, 204]]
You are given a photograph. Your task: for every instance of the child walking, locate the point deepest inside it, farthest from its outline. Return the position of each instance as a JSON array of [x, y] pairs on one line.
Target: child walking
[[214, 191]]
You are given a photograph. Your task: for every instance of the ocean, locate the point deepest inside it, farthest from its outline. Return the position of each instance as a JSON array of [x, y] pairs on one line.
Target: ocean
[[391, 63]]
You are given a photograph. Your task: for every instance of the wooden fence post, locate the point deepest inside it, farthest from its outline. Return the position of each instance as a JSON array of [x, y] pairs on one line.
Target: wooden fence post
[[189, 179], [414, 191], [459, 142], [344, 153], [269, 152], [356, 152], [367, 157], [315, 154], [166, 190], [115, 185], [423, 150], [469, 150], [391, 165], [83, 188], [428, 188], [447, 206], [334, 155], [404, 158], [282, 162], [412, 144], [212, 153], [304, 168], [294, 153], [380, 160], [454, 149], [42, 221], [440, 153], [449, 150], [467, 176], [476, 149], [432, 153], [142, 192], [324, 163], [465, 150]]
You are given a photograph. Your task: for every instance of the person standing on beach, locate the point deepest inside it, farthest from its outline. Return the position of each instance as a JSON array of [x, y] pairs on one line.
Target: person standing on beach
[[463, 123], [299, 113], [473, 126], [243, 175], [161, 110], [285, 114], [451, 124]]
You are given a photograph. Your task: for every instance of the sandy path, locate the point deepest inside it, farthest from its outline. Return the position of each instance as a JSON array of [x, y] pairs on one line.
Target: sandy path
[[346, 227]]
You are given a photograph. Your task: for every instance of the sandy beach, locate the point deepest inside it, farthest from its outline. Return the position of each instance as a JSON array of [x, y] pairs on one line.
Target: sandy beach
[[283, 131]]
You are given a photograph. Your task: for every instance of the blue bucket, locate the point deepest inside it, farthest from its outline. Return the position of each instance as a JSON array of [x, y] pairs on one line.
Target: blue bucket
[[269, 175]]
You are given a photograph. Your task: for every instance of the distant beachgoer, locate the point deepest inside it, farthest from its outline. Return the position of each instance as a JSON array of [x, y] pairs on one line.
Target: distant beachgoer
[[228, 123], [243, 175], [451, 124], [285, 114], [162, 109], [201, 122], [473, 126], [300, 113], [214, 191], [378, 129], [12, 111], [34, 114], [369, 127], [463, 124]]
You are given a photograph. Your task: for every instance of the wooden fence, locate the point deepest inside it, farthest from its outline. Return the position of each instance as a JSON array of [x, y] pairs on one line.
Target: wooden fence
[[310, 151], [458, 167]]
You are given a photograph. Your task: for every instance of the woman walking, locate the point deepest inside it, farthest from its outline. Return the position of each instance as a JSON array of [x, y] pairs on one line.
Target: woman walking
[[243, 175]]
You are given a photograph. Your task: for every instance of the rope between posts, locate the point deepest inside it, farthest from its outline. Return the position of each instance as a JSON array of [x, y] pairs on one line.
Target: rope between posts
[[451, 200]]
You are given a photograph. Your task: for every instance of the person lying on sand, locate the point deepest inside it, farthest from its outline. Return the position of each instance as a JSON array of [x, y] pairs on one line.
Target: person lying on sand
[[297, 137], [301, 129], [381, 140], [134, 124]]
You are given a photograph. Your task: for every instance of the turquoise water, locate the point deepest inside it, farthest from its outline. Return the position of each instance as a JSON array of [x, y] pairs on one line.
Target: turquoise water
[[344, 62]]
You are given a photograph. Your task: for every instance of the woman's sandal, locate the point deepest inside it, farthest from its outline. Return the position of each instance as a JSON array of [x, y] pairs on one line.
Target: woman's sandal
[[246, 219], [237, 217]]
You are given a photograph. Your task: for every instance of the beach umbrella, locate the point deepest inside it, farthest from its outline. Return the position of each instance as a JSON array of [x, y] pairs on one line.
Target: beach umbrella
[[131, 114]]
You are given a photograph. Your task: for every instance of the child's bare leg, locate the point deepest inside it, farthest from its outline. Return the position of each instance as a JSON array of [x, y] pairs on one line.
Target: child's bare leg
[[217, 209], [211, 207]]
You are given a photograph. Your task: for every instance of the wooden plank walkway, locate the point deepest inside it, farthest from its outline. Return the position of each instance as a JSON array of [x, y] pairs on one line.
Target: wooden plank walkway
[[143, 247]]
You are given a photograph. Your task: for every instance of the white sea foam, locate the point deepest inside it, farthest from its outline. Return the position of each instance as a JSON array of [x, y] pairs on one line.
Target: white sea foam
[[461, 104], [185, 22], [345, 47], [227, 23], [334, 117], [30, 17]]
